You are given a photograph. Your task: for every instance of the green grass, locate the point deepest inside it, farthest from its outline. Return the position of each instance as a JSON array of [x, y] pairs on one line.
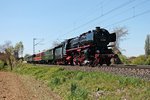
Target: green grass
[[78, 85]]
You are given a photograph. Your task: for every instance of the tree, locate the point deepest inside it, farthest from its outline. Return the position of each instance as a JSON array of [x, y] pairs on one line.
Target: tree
[[19, 49], [121, 33], [26, 55], [9, 53], [7, 44], [10, 59], [147, 45]]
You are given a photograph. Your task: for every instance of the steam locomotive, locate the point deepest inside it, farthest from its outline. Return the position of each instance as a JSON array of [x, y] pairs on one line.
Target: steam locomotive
[[90, 48]]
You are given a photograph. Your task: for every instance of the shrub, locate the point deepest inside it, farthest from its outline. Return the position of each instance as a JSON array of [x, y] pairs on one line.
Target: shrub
[[123, 59], [139, 60], [19, 63], [1, 65], [147, 62]]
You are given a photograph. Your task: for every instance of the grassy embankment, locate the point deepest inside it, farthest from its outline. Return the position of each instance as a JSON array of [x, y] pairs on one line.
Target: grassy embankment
[[78, 85]]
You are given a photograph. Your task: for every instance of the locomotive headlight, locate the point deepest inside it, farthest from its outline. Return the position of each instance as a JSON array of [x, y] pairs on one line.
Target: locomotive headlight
[[97, 51]]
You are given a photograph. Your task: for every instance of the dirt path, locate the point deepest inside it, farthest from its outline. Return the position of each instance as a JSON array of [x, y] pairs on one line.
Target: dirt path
[[16, 87]]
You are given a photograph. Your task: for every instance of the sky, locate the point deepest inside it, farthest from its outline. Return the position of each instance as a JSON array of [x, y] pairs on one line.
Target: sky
[[56, 20]]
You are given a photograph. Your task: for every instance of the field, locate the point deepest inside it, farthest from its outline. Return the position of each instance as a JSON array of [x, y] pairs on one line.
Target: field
[[79, 85]]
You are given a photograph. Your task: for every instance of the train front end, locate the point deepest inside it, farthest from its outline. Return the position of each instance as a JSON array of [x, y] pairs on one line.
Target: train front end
[[103, 52]]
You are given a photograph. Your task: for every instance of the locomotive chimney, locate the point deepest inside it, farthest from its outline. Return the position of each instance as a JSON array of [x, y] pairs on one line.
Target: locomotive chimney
[[98, 28]]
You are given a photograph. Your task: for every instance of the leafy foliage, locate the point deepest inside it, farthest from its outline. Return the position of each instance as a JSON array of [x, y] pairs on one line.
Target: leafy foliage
[[19, 49], [147, 45], [147, 62], [9, 53], [1, 65], [139, 60], [25, 57], [123, 59]]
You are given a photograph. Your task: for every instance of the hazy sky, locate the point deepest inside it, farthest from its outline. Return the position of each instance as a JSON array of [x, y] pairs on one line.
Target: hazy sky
[[51, 20]]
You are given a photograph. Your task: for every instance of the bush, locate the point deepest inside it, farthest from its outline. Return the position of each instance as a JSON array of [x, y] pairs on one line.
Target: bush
[[19, 63], [140, 60], [123, 59], [1, 65], [147, 62]]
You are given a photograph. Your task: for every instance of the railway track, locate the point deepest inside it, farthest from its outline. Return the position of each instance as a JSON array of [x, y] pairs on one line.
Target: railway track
[[139, 71]]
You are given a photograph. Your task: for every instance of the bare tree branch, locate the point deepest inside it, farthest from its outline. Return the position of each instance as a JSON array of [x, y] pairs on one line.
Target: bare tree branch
[[121, 33]]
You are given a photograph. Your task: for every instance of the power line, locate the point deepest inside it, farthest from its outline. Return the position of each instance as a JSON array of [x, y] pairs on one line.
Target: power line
[[127, 10], [100, 4], [110, 11], [129, 18]]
